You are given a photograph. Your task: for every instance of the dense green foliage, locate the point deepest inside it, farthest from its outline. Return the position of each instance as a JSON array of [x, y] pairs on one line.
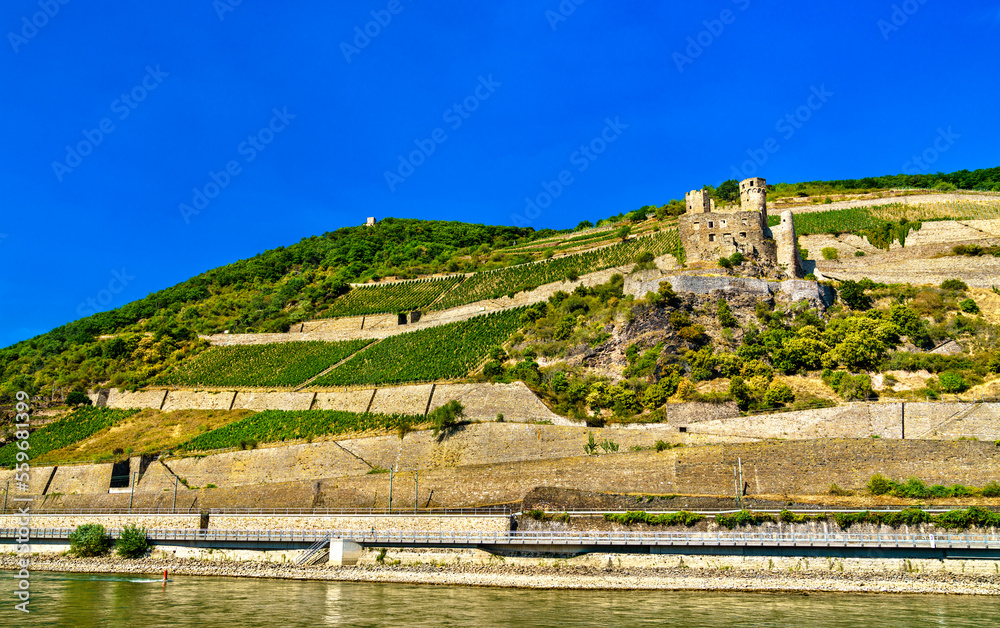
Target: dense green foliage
[[79, 424], [131, 542], [391, 298], [278, 364], [953, 519], [443, 352], [680, 518], [273, 426], [984, 179], [510, 281], [915, 488], [89, 539]]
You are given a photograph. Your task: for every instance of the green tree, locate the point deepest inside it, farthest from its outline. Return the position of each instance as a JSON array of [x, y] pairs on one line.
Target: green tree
[[853, 294], [89, 539], [132, 542], [726, 318], [446, 417]]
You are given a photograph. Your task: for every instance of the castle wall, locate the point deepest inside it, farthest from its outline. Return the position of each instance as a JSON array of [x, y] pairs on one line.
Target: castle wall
[[709, 236]]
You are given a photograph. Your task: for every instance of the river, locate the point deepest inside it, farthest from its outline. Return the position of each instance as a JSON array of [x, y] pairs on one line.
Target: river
[[107, 601]]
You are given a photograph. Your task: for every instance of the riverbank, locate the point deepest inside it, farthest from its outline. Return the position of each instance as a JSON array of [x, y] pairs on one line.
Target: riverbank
[[593, 572]]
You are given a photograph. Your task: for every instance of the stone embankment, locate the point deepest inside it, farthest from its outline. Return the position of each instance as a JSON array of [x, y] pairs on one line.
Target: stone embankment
[[593, 572], [912, 199]]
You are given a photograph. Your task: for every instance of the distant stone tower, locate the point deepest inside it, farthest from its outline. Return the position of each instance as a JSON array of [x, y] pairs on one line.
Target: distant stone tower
[[784, 237], [699, 202], [753, 196]]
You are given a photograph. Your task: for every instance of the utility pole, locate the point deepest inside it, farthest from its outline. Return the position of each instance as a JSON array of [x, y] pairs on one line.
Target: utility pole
[[174, 508], [736, 486], [131, 492], [742, 484], [5, 493], [390, 491], [416, 491]]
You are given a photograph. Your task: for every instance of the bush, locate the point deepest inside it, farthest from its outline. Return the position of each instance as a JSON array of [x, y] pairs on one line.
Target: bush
[[968, 306], [132, 542], [89, 539], [828, 252], [880, 485], [952, 382], [859, 254], [447, 416], [991, 490], [78, 398], [954, 284]]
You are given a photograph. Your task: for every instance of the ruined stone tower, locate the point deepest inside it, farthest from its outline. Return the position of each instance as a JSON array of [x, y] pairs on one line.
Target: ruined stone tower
[[753, 196], [698, 202], [788, 253], [709, 234]]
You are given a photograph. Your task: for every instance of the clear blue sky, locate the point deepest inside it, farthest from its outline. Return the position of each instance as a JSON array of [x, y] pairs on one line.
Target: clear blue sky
[[113, 117]]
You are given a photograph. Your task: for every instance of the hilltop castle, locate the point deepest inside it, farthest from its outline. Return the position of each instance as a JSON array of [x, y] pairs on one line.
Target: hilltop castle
[[709, 234]]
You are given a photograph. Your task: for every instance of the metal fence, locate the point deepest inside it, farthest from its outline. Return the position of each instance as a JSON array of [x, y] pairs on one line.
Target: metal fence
[[771, 538]]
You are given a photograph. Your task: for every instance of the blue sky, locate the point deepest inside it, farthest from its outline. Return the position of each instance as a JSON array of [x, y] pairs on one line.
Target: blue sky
[[147, 142]]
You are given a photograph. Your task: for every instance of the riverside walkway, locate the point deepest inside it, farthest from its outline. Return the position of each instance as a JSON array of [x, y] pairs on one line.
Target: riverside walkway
[[752, 543]]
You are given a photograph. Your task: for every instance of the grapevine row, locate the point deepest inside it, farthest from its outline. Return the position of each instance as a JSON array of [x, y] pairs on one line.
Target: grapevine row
[[392, 298], [278, 364], [275, 426], [443, 352], [80, 424]]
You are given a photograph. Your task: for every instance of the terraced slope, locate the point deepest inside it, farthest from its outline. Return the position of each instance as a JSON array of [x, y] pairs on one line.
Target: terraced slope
[[444, 352], [285, 364], [396, 297]]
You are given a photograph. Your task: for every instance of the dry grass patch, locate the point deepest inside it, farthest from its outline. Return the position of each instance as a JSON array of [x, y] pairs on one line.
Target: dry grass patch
[[149, 431]]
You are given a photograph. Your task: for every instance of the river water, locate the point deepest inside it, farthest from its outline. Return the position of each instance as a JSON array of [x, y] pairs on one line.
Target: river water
[[107, 601]]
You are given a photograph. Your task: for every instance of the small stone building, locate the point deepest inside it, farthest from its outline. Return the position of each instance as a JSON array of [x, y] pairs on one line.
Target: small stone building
[[709, 233]]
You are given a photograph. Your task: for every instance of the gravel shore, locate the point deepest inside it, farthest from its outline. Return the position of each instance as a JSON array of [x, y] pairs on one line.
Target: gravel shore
[[540, 576]]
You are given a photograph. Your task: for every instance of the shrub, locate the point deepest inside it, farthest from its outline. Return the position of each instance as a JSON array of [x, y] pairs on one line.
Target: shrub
[[880, 485], [828, 252], [954, 284], [952, 382], [968, 306], [447, 416], [78, 398], [859, 254], [742, 518], [132, 542], [839, 492], [89, 539], [992, 489], [725, 263]]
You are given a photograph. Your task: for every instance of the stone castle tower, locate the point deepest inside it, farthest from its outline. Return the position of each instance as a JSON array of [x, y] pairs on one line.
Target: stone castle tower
[[709, 234]]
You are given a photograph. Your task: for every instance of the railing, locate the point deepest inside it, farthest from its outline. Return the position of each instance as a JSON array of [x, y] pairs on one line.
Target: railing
[[570, 539], [310, 554]]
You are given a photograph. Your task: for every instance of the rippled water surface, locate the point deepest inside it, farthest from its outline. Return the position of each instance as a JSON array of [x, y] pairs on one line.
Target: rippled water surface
[[63, 599]]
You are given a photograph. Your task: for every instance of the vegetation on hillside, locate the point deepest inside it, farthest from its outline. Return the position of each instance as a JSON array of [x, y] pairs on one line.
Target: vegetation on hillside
[[78, 425], [275, 426], [443, 352], [280, 364]]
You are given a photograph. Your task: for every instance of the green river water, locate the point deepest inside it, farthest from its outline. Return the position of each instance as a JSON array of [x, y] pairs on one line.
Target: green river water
[[101, 600]]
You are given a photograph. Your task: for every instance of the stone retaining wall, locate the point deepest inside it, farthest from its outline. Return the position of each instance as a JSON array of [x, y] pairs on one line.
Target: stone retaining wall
[[198, 400], [273, 400], [162, 522], [401, 523]]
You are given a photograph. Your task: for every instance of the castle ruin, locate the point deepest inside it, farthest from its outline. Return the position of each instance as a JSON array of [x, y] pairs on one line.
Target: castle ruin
[[709, 233]]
